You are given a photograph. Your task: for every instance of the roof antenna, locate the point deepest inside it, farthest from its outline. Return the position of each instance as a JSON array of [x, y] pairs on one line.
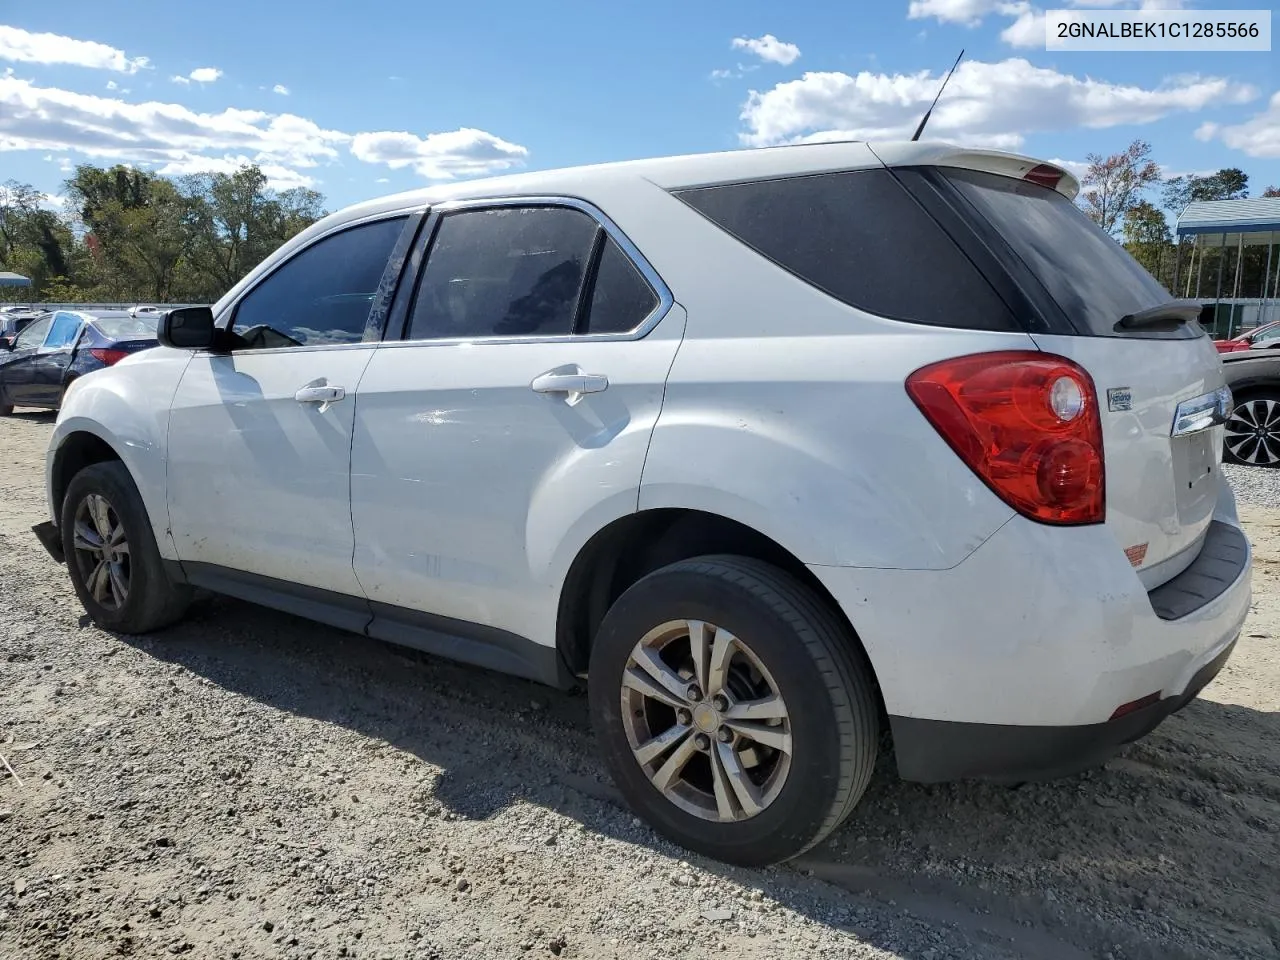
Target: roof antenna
[[925, 118]]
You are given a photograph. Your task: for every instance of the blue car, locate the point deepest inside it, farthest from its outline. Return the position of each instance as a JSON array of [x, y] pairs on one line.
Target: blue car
[[48, 354]]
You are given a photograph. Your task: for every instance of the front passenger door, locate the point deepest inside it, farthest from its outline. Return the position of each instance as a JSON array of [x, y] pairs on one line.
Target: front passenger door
[[17, 366], [260, 438], [49, 367]]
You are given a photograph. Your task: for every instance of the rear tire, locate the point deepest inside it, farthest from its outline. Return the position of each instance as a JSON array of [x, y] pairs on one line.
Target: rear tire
[[754, 750], [1253, 430], [6, 409], [112, 556]]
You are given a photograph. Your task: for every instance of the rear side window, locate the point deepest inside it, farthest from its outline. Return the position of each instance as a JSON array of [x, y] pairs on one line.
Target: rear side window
[[504, 272], [1091, 277], [861, 238], [622, 298], [126, 328]]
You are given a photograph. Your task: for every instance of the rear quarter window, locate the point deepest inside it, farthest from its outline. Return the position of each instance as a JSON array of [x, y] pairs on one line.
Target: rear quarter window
[[1090, 277], [860, 237]]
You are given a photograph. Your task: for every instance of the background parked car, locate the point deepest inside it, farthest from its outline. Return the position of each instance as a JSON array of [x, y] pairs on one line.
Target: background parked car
[[1253, 429], [13, 320], [1265, 336], [40, 362]]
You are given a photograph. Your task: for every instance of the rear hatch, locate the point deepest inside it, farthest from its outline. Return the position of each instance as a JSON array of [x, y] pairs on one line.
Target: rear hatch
[[1076, 285]]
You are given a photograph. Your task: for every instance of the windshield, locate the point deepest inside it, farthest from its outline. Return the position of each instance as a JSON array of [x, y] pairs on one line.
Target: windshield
[[127, 328], [1087, 273]]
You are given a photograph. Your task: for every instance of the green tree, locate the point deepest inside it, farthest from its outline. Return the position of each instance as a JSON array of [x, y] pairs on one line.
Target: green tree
[[1112, 185], [1229, 183], [34, 241], [1146, 236], [240, 222], [139, 225]]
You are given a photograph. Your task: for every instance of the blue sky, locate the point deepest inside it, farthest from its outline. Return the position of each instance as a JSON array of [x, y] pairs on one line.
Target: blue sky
[[357, 99]]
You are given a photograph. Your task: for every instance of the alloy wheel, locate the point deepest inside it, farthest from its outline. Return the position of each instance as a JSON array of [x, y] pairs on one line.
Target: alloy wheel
[[101, 552], [1253, 432], [706, 721]]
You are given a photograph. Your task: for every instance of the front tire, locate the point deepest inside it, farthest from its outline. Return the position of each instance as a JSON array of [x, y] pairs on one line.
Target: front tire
[[112, 556], [1253, 431], [734, 709]]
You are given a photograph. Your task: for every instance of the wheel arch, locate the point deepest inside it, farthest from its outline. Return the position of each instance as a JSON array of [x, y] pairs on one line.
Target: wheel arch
[[635, 545], [77, 450], [1256, 384]]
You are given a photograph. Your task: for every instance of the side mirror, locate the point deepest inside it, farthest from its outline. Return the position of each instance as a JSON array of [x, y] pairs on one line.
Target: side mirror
[[188, 328]]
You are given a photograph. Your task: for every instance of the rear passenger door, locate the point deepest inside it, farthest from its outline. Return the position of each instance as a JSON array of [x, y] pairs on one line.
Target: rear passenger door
[[513, 414]]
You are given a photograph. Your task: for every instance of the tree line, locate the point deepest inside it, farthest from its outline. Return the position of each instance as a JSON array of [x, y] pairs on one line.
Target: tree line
[[127, 235], [1116, 193]]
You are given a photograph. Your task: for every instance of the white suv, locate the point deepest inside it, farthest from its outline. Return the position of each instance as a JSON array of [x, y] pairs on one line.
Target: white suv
[[780, 450]]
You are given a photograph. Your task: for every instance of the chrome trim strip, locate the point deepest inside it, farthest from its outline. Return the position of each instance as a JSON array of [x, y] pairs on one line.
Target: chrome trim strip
[[1201, 413]]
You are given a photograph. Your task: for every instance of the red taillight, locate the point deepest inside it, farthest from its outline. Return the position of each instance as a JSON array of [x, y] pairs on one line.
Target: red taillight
[[1045, 175], [107, 355], [1027, 423]]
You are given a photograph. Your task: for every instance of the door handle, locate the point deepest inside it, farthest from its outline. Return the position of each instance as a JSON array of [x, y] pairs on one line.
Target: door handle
[[573, 385], [322, 394]]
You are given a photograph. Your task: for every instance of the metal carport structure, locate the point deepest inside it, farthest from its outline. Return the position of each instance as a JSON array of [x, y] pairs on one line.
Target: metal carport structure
[[1220, 225]]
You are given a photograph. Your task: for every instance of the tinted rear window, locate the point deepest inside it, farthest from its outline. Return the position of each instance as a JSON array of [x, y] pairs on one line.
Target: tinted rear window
[[861, 238], [1090, 276], [127, 328]]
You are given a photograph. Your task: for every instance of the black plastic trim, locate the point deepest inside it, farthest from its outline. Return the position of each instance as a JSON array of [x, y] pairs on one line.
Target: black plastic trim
[[459, 640], [324, 606], [392, 275], [936, 751], [51, 539], [477, 644], [1221, 560]]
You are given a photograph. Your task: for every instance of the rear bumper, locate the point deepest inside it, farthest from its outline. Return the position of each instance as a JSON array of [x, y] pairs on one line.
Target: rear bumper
[[933, 751], [1016, 659]]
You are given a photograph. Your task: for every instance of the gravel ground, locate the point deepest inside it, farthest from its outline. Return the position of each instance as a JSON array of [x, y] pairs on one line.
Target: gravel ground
[[249, 785], [1254, 486]]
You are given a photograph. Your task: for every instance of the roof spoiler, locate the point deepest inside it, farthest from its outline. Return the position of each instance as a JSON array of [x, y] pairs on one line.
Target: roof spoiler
[[1050, 175]]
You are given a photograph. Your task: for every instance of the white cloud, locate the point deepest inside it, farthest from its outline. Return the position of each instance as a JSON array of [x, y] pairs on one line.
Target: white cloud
[[278, 177], [1027, 30], [768, 48], [968, 12], [180, 140], [199, 75], [112, 85], [1258, 136], [383, 180], [439, 156], [45, 118], [22, 46], [990, 104], [281, 89]]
